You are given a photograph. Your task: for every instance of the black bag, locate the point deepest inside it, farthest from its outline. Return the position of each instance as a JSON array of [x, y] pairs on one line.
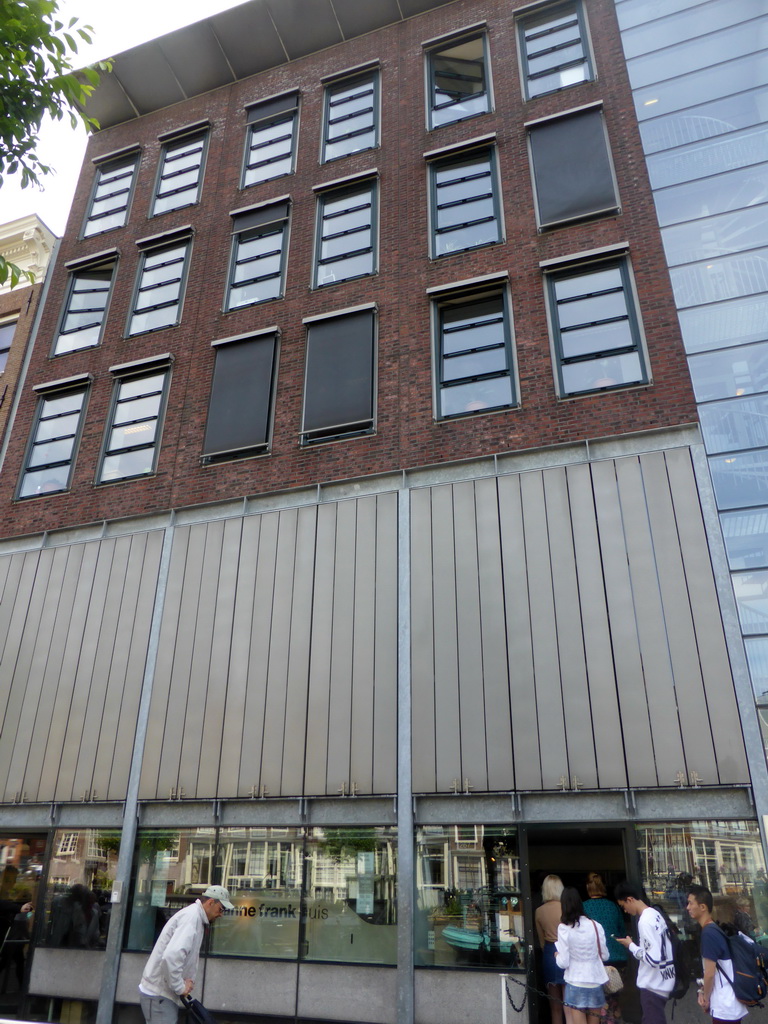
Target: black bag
[[197, 1012], [750, 969], [679, 957]]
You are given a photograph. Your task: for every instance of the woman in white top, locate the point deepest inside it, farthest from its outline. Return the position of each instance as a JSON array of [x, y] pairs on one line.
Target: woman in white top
[[580, 951]]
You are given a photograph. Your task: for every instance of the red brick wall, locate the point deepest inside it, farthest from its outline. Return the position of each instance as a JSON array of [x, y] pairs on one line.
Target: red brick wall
[[407, 436], [19, 302]]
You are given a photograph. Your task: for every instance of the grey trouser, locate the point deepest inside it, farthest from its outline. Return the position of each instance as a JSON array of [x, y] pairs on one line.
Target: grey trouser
[[158, 1009]]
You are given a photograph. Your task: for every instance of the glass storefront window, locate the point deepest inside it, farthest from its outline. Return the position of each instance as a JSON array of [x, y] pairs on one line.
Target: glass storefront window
[[725, 856], [313, 894], [350, 898], [469, 911], [262, 868], [76, 897], [172, 868]]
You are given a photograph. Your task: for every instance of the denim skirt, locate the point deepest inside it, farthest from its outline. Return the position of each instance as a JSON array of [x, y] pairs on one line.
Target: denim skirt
[[584, 998]]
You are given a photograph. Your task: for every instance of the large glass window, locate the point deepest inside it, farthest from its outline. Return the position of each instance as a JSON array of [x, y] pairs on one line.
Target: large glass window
[[111, 195], [742, 370], [474, 353], [596, 331], [271, 140], [458, 81], [160, 287], [7, 330], [740, 479], [241, 397], [132, 439], [725, 856], [76, 898], [572, 168], [51, 453], [339, 377], [326, 894], [350, 121], [181, 173], [554, 49], [465, 202], [259, 244], [82, 321], [346, 233], [469, 909]]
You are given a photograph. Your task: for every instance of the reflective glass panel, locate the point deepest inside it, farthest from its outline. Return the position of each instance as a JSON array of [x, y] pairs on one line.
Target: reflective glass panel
[[606, 372], [716, 236], [724, 277], [724, 79], [735, 371], [724, 856], [693, 55], [476, 395], [679, 27], [746, 538], [719, 117], [469, 910], [724, 324], [709, 156], [757, 656], [739, 423], [459, 87], [76, 897], [733, 190], [171, 869], [751, 591], [740, 479]]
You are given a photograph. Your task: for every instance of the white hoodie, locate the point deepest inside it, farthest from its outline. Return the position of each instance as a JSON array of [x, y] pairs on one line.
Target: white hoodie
[[176, 953], [656, 971]]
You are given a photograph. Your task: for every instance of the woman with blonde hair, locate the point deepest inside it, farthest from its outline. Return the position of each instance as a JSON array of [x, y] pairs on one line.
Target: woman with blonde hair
[[547, 919]]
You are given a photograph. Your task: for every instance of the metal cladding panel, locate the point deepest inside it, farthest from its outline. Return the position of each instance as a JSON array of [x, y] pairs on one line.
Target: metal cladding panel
[[566, 629], [356, 18], [196, 59], [147, 78], [276, 669], [302, 34], [68, 718], [249, 39]]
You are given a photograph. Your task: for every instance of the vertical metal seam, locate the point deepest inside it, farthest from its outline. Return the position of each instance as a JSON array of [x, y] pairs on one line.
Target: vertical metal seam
[[405, 829], [111, 969]]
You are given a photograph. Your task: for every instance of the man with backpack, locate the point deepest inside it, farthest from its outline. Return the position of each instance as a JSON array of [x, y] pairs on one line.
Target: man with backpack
[[717, 995], [656, 970]]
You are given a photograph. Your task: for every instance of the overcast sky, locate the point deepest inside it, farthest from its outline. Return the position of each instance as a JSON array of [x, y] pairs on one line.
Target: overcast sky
[[117, 25]]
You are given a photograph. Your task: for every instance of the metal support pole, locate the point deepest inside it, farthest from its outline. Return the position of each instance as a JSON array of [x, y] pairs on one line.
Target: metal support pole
[[405, 837], [131, 810]]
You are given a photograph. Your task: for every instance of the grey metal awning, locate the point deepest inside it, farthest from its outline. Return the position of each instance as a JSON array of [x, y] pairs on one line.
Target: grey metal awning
[[247, 39]]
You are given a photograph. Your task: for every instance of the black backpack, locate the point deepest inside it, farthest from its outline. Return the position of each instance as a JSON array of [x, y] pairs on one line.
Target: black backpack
[[679, 957], [750, 969]]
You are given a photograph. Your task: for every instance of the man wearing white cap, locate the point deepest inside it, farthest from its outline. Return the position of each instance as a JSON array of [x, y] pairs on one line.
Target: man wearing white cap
[[172, 966]]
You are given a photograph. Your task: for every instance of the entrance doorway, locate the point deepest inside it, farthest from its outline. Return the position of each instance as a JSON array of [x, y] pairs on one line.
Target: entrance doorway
[[21, 865], [572, 852]]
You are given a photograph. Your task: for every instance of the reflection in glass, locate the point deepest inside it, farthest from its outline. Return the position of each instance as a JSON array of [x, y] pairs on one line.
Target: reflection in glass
[[716, 236], [171, 869], [702, 122], [730, 373], [709, 156], [757, 656], [746, 538], [727, 323], [740, 423], [740, 479], [734, 190], [751, 590], [683, 25], [76, 898], [725, 856], [459, 87], [725, 277], [468, 906]]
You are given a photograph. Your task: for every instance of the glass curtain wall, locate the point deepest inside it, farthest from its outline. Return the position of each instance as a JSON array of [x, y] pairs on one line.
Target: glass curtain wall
[[323, 894], [699, 74]]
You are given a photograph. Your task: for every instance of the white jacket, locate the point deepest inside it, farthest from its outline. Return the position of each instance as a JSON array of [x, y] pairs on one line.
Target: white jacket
[[176, 954], [580, 949]]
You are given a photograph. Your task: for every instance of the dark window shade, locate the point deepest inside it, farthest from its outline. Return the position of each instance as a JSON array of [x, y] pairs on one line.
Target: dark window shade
[[256, 218], [238, 414], [339, 374], [271, 108], [572, 168]]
